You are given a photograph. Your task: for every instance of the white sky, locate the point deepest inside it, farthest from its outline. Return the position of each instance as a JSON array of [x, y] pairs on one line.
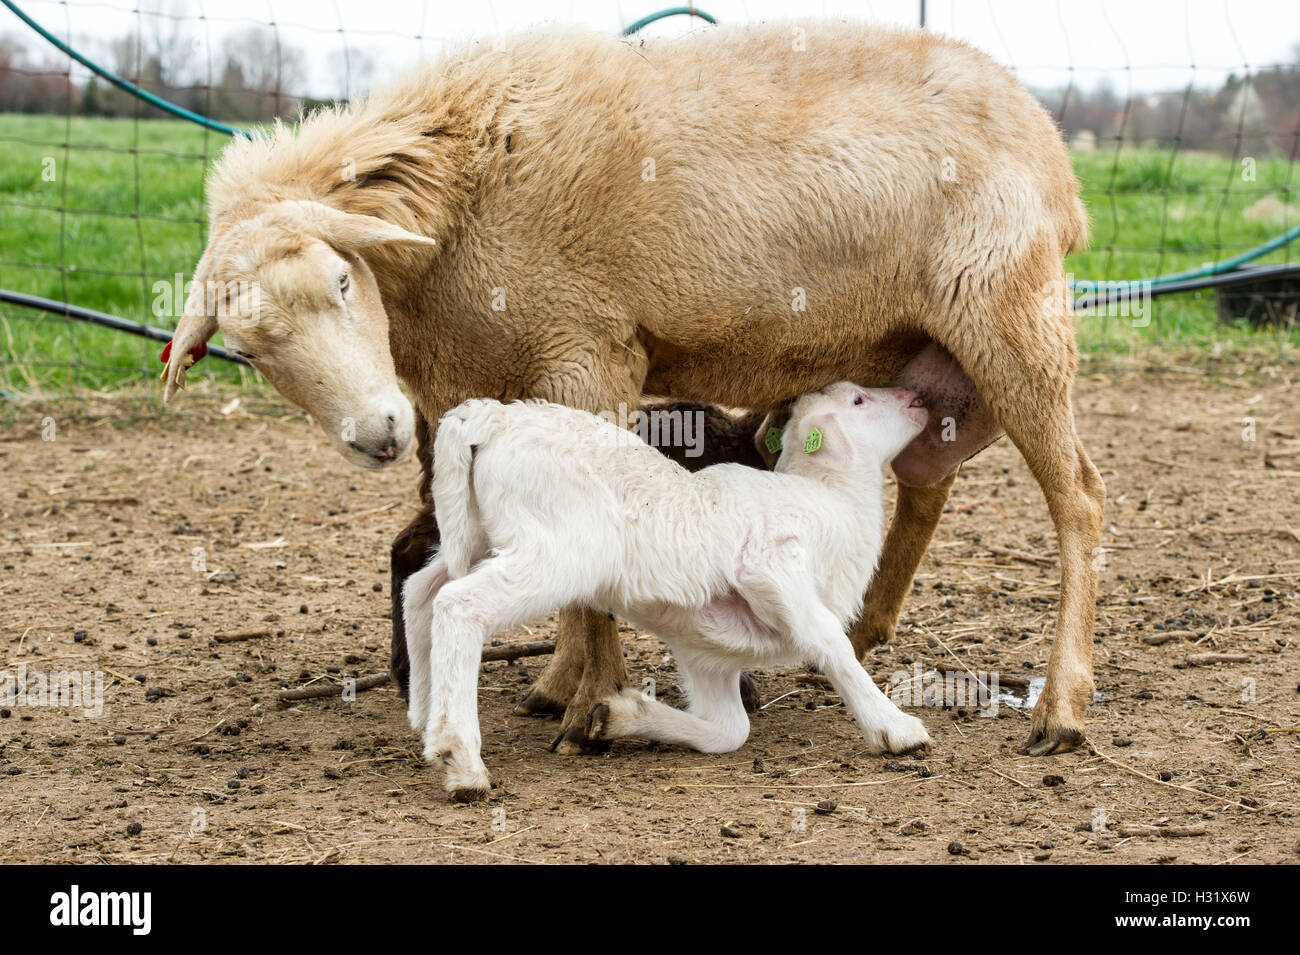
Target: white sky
[[1143, 45]]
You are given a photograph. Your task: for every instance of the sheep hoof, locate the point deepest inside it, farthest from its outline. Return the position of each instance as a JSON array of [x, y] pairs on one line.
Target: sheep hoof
[[869, 634], [537, 703], [576, 742], [749, 692], [1049, 743], [1056, 727]]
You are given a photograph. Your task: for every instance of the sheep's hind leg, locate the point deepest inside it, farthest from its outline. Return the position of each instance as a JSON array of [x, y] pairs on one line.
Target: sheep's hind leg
[[916, 516], [715, 723], [1020, 351], [960, 426]]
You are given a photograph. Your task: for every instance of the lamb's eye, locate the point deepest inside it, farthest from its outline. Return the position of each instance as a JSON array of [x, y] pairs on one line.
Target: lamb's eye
[[344, 282], [857, 399]]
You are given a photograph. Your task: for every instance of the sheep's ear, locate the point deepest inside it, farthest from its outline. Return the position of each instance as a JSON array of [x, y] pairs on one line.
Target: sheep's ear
[[193, 330], [351, 230]]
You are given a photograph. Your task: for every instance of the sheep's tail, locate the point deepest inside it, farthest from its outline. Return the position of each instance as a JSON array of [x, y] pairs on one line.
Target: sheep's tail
[[463, 540]]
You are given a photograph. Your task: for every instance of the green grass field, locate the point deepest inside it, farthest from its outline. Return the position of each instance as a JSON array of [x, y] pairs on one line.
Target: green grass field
[[133, 195]]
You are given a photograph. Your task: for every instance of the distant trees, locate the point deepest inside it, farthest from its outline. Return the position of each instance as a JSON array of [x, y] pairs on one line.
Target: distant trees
[[30, 84], [254, 76], [1255, 115], [249, 76]]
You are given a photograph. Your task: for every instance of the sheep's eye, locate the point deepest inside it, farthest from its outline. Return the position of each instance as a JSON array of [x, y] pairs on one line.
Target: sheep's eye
[[857, 399], [344, 282]]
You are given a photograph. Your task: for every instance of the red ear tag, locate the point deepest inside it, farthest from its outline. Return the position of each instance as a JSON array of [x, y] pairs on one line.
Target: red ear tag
[[196, 353]]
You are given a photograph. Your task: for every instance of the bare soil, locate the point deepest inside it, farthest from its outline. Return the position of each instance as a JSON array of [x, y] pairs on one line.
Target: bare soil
[[129, 541]]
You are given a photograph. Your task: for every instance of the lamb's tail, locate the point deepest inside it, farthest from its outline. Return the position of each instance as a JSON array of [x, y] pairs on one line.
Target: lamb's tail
[[461, 430]]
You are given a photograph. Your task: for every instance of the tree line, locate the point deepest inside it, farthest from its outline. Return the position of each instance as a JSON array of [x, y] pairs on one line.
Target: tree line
[[254, 76], [250, 76]]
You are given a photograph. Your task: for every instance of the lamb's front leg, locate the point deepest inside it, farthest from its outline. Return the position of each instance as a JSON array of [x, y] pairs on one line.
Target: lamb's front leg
[[887, 728]]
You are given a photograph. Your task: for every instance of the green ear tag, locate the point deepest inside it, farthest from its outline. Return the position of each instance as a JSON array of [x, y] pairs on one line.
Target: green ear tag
[[772, 440], [813, 441]]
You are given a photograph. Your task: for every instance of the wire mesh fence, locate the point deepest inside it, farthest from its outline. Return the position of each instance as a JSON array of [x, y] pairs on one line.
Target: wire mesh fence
[[1183, 121]]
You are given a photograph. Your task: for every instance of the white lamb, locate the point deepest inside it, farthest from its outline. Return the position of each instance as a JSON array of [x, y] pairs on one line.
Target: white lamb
[[542, 506]]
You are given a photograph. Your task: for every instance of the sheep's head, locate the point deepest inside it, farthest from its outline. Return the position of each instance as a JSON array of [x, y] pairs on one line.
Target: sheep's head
[[848, 425], [291, 292]]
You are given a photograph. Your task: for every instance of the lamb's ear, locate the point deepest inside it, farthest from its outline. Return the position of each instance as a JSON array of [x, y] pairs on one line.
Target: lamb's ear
[[193, 330], [821, 436], [769, 436], [351, 230]]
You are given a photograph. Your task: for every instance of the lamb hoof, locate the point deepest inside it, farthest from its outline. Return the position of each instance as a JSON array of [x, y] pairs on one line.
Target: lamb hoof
[[576, 742], [749, 692], [465, 795], [909, 737], [467, 778], [901, 734], [537, 703], [597, 721], [1049, 743]]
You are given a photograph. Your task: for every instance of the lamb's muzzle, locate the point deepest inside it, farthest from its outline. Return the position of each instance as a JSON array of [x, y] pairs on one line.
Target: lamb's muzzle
[[544, 506]]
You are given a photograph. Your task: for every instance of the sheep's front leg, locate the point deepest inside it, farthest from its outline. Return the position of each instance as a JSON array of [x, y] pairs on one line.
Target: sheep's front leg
[[916, 515], [603, 675], [555, 688], [588, 662]]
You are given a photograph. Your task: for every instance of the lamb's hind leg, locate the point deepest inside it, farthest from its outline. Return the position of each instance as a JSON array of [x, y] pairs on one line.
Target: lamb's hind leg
[[418, 595], [498, 593], [716, 721]]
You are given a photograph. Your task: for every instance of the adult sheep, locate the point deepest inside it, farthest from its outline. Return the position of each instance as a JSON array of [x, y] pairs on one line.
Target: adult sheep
[[738, 216]]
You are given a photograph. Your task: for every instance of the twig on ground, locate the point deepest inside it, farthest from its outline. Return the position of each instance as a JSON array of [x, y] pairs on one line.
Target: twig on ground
[[511, 651]]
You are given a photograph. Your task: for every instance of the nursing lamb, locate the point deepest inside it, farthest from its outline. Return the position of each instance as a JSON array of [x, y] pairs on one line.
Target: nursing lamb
[[543, 506]]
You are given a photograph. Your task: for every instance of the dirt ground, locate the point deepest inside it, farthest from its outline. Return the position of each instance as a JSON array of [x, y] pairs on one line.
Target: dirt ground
[[130, 541]]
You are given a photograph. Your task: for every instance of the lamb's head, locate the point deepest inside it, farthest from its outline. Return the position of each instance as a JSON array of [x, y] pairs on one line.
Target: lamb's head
[[291, 291], [845, 425]]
